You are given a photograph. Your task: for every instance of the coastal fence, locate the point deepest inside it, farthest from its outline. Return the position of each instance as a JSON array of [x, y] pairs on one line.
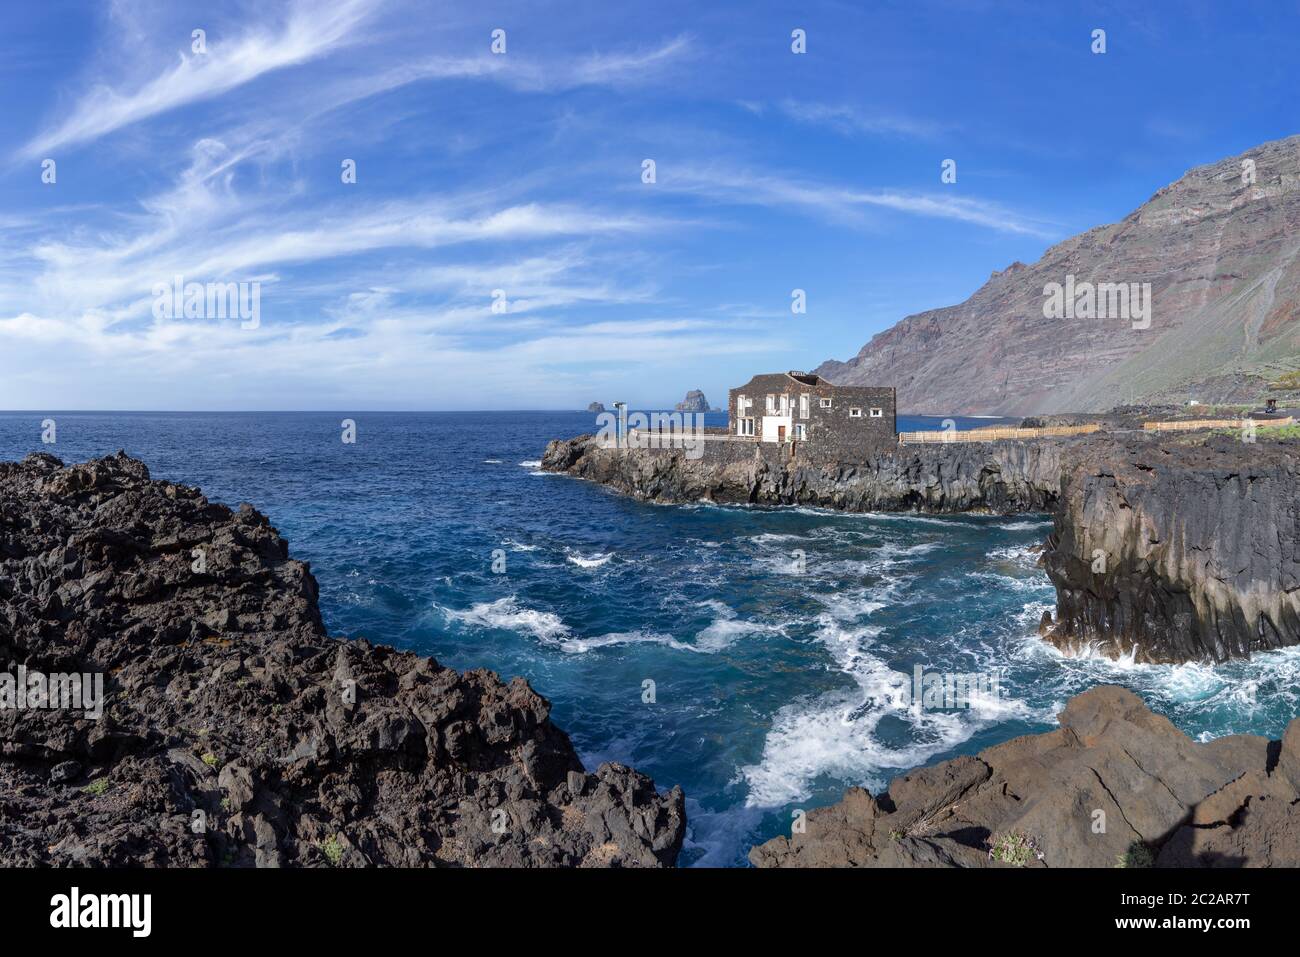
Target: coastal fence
[[1188, 425], [993, 433], [667, 435]]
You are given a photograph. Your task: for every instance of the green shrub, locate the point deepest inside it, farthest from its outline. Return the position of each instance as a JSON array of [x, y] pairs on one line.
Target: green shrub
[[332, 848], [1137, 855]]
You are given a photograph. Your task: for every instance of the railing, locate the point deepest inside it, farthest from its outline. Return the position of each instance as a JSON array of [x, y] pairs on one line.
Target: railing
[[1190, 424], [993, 433], [665, 436]]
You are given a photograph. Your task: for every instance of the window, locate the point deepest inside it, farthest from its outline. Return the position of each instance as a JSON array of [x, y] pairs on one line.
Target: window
[[771, 404], [745, 427], [825, 403], [855, 413], [803, 406], [740, 405], [877, 413], [800, 431]]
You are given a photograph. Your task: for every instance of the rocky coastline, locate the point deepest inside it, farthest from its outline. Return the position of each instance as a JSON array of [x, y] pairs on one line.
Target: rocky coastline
[[1164, 549], [236, 732], [1003, 477], [1114, 786]]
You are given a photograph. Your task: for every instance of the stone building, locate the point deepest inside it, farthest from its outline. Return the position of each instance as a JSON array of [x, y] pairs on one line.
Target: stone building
[[800, 407]]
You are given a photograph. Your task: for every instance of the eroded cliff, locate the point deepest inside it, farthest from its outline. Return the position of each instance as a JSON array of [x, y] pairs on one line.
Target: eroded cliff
[[1178, 550]]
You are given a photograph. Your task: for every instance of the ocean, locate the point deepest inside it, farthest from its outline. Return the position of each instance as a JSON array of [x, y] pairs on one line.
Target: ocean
[[751, 655]]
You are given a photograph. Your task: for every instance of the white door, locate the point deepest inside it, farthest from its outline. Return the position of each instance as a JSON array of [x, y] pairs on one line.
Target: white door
[[772, 424]]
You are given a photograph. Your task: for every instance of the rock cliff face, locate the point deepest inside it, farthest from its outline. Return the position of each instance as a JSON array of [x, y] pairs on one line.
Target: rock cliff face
[[995, 477], [237, 732], [1114, 785], [694, 402], [1221, 255], [1179, 552]]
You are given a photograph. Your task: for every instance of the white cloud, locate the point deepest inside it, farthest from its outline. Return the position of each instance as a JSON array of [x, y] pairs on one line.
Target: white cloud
[[839, 203], [851, 120], [311, 30]]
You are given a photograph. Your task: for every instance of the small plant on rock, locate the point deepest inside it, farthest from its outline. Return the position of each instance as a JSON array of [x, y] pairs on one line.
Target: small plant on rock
[[332, 848], [1015, 848], [1137, 855], [96, 787]]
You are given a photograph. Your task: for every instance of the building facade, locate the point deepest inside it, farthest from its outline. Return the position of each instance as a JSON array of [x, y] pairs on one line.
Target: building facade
[[801, 407]]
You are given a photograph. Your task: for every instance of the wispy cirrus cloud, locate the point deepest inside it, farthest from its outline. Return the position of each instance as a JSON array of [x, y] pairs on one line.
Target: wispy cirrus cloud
[[843, 204], [850, 120], [310, 30]]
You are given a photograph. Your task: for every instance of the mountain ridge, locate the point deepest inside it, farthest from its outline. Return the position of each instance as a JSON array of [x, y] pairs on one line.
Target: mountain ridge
[[1221, 255]]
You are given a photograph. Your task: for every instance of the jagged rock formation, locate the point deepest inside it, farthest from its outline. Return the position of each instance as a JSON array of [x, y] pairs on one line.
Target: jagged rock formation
[[225, 696], [694, 402], [596, 407], [995, 477], [1115, 785], [1179, 551], [1220, 254]]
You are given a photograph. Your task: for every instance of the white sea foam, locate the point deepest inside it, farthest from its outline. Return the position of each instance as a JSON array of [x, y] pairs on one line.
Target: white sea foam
[[838, 734], [595, 561], [726, 629], [768, 537], [494, 462], [849, 605], [1024, 526], [508, 614], [578, 646], [549, 629], [1022, 556], [531, 464]]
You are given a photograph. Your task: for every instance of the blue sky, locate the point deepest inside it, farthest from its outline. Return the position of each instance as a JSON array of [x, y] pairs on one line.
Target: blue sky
[[522, 172]]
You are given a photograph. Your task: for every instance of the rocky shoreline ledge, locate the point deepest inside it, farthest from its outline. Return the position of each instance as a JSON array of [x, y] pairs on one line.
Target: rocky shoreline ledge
[[1165, 548], [1114, 786], [236, 732]]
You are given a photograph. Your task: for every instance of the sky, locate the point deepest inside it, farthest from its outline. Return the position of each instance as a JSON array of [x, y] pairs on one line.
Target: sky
[[501, 247]]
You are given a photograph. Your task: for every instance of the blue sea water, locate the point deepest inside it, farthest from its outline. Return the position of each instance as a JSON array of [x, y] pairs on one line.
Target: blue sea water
[[774, 688]]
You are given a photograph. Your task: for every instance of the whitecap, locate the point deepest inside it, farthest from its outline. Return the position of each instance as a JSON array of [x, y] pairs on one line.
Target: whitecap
[[507, 614], [727, 628]]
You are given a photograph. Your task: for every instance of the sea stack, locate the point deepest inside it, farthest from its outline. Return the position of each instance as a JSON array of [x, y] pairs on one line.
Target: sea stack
[[694, 402]]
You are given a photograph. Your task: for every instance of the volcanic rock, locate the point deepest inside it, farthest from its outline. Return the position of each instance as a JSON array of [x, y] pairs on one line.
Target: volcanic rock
[[1115, 785], [238, 733], [694, 402]]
